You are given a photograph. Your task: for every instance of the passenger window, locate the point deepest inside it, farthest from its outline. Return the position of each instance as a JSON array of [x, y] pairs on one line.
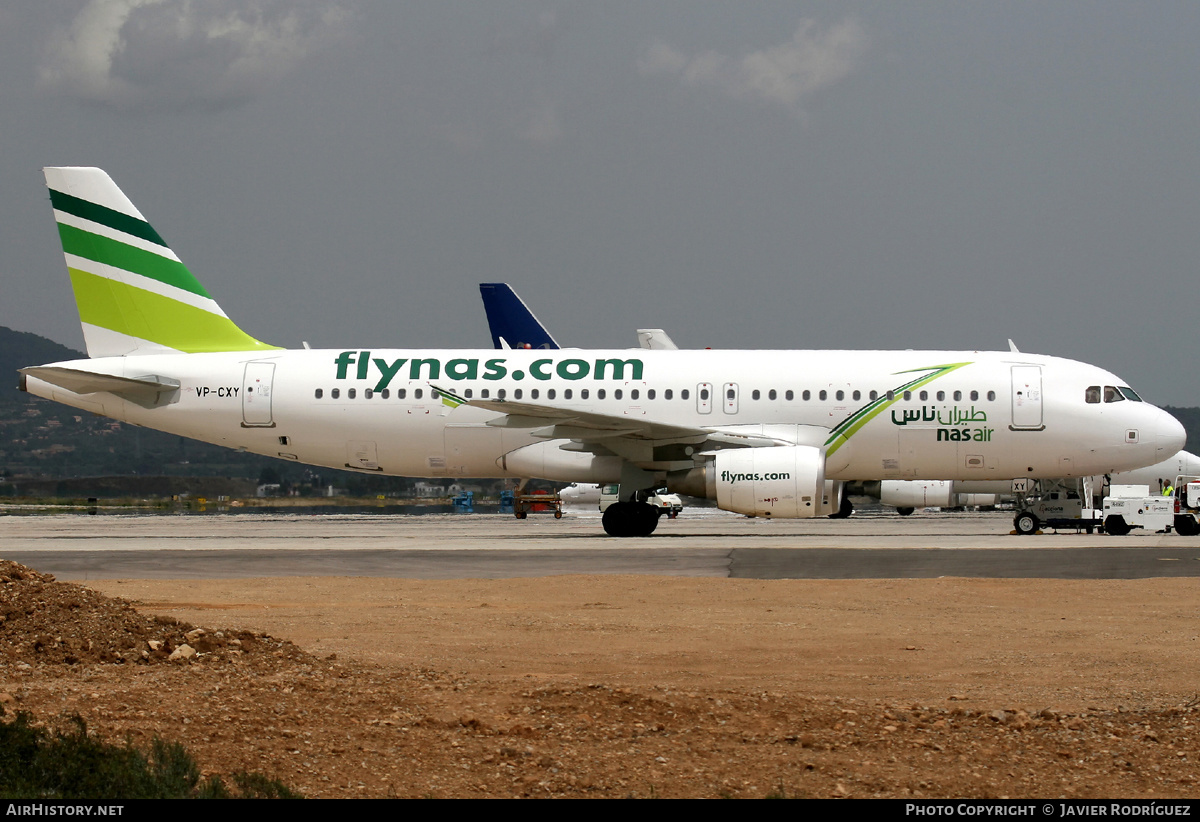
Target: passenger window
[[484, 393], [992, 396], [908, 395], [350, 393], [957, 396], [771, 394], [703, 394], [650, 393], [500, 393], [789, 395], [684, 394], [924, 396], [599, 393], [401, 393], [550, 393], [668, 394], [941, 395], [387, 392], [583, 394], [974, 396], [806, 395], [874, 395], [754, 395], [369, 393], [319, 393], [566, 393], [841, 395], [891, 395], [335, 393], [633, 393], [857, 395], [730, 394], [823, 394], [617, 394], [418, 393]]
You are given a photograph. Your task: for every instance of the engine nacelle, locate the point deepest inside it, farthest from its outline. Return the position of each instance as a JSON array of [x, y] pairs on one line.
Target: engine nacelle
[[917, 493], [545, 460], [786, 481]]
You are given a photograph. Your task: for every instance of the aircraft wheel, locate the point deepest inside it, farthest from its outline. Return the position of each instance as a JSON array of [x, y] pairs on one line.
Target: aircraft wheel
[[905, 511], [1026, 523], [630, 519], [1186, 525], [1116, 525], [558, 514], [845, 510]]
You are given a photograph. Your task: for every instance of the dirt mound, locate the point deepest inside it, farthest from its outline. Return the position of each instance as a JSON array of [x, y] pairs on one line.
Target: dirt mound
[[44, 622]]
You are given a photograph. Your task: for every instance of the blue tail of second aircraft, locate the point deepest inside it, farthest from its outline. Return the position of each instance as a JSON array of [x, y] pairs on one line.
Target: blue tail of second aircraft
[[511, 322]]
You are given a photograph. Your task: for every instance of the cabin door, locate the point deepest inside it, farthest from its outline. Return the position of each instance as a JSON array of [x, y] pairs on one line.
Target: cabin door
[[1027, 397], [256, 395]]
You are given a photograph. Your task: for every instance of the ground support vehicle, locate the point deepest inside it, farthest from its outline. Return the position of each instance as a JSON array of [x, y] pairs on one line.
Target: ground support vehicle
[[667, 504], [1133, 506], [1058, 510], [1187, 505], [524, 503]]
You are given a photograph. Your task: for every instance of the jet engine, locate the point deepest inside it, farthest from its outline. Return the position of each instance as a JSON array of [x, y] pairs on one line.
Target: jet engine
[[784, 481]]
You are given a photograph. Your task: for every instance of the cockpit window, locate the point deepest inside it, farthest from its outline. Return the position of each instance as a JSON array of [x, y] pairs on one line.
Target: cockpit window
[[1092, 394], [1111, 394], [1129, 393]]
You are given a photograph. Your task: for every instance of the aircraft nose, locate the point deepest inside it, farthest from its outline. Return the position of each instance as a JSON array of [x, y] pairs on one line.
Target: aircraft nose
[[1170, 434]]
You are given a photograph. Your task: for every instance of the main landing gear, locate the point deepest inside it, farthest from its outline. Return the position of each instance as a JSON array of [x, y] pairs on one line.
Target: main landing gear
[[631, 519]]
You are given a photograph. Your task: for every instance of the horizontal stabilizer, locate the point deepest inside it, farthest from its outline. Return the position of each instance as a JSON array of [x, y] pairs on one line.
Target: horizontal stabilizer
[[147, 391]]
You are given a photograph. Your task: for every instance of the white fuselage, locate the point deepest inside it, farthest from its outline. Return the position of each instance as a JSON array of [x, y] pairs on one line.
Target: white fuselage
[[967, 415]]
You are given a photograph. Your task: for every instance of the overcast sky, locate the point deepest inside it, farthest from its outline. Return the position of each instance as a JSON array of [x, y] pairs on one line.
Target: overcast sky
[[743, 174]]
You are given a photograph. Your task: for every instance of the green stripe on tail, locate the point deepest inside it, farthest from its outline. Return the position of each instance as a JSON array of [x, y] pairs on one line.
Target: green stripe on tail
[[149, 316]]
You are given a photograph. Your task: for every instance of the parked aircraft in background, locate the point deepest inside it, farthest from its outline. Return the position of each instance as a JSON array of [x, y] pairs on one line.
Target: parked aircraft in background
[[509, 318], [768, 433], [510, 321]]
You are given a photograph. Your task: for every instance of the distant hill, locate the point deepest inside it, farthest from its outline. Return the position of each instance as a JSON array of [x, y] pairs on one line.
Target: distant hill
[[19, 349], [42, 439], [1190, 418]]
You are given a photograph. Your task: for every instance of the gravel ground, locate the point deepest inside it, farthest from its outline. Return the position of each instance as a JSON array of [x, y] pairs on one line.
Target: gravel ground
[[621, 686]]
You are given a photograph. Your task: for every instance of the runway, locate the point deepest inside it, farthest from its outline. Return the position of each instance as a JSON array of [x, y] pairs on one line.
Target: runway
[[704, 543]]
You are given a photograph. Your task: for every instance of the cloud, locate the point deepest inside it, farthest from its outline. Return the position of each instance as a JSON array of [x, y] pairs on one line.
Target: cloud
[[780, 75], [543, 126], [176, 54]]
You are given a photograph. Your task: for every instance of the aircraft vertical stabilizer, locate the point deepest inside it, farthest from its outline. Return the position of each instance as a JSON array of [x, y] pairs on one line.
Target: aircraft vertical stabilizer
[[510, 320], [133, 294]]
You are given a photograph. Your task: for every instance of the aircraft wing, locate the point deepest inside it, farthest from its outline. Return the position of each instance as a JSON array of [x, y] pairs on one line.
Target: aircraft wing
[[610, 430]]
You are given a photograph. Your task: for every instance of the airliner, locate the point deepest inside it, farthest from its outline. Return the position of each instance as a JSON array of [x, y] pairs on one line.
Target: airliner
[[764, 433]]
